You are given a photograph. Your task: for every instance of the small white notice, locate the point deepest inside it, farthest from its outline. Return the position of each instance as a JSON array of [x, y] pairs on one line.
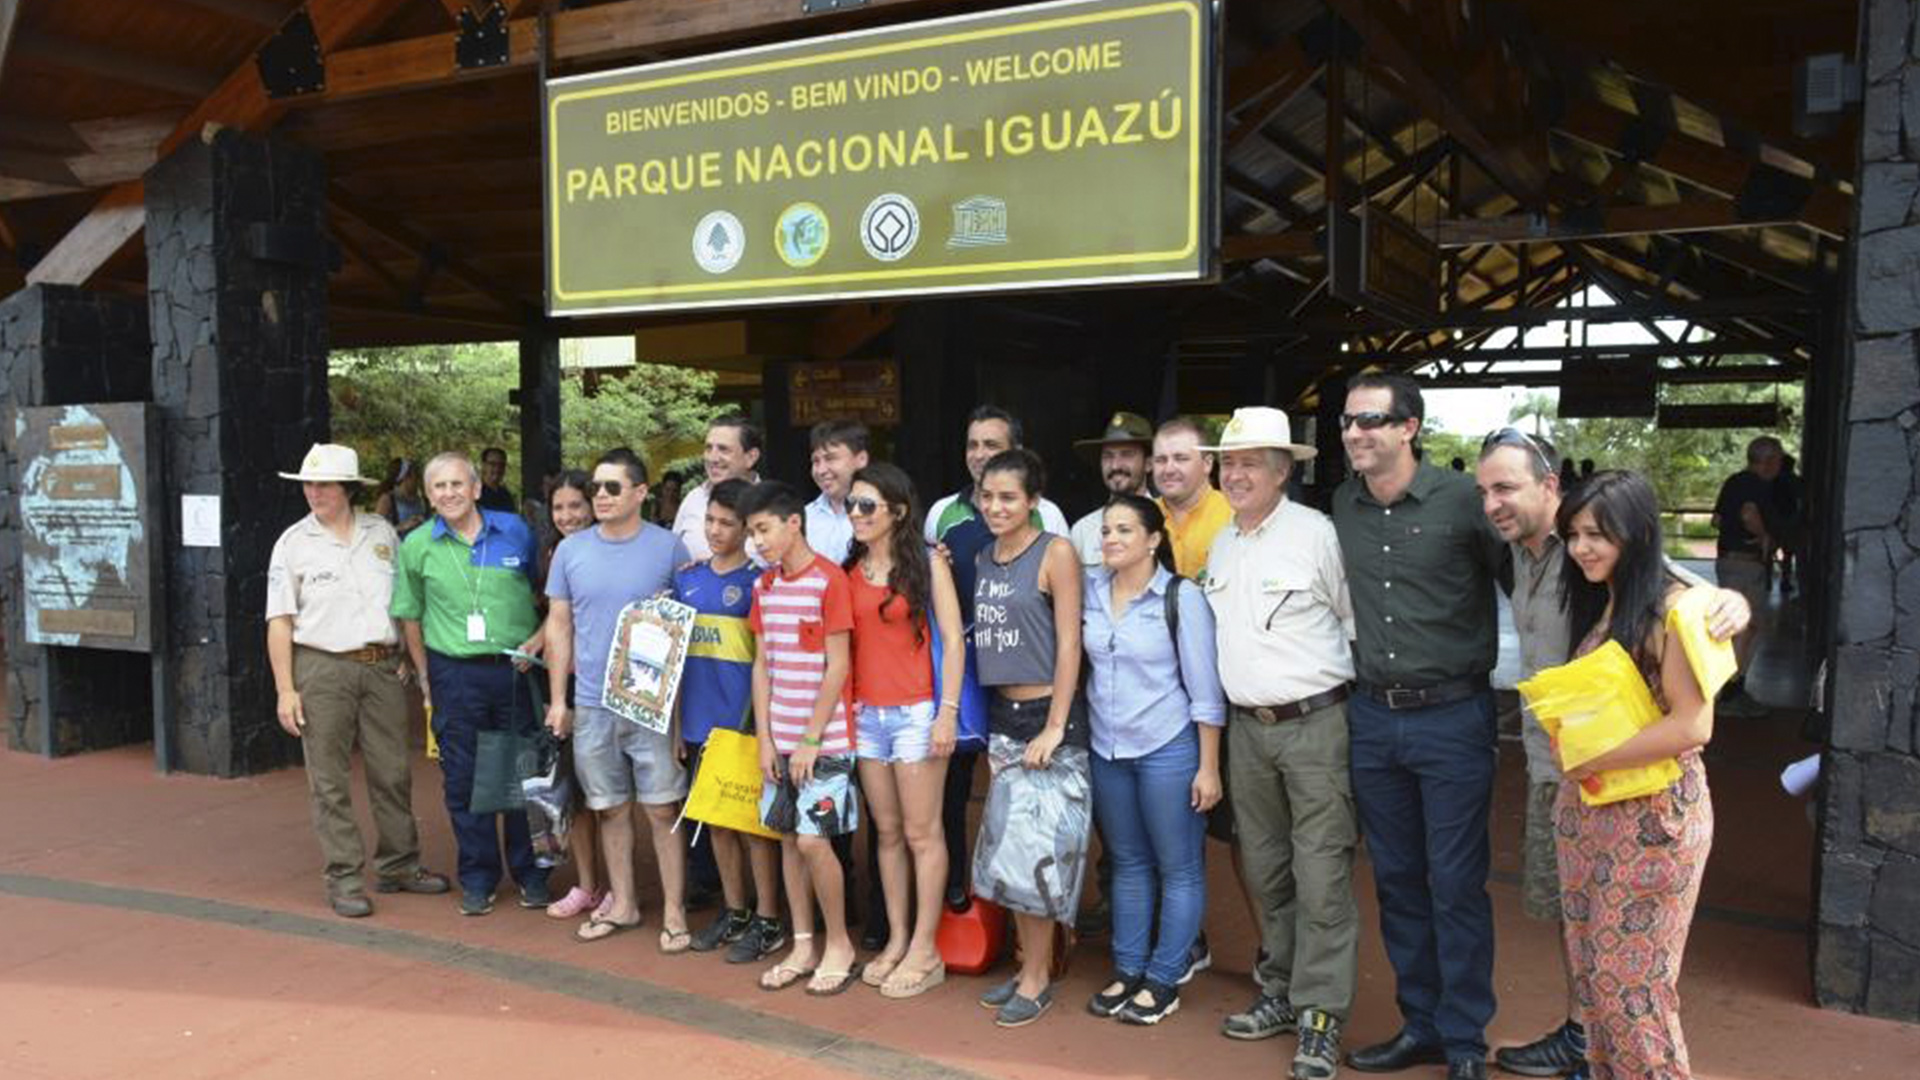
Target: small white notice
[[200, 521]]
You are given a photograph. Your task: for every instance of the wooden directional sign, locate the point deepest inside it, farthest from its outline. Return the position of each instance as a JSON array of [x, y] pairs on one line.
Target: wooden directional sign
[[863, 390]]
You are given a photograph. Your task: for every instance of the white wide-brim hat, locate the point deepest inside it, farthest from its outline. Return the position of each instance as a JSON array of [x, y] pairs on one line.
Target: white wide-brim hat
[[330, 462], [1257, 427]]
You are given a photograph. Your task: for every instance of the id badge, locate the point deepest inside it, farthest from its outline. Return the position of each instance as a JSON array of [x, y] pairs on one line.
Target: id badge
[[476, 627]]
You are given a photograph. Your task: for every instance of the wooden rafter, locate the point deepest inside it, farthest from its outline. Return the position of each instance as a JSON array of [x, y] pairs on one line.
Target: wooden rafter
[[1687, 217], [9, 15], [263, 13], [423, 247], [87, 58]]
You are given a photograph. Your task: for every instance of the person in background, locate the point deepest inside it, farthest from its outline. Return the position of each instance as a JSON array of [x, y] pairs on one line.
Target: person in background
[[570, 509], [494, 493], [399, 500], [839, 449], [1630, 870], [666, 500], [1742, 513], [1027, 592], [1789, 512], [901, 598], [732, 452], [1155, 709], [1121, 455]]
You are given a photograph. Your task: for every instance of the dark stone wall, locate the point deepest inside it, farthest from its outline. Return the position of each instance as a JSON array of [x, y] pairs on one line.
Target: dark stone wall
[[61, 345], [1867, 940], [237, 283]]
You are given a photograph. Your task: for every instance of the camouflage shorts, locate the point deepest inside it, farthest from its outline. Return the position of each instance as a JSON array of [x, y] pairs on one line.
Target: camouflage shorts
[[1539, 865]]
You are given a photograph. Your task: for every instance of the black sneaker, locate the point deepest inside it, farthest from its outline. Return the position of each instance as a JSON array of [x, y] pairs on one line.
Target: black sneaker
[[1161, 1002], [1554, 1054], [1199, 959], [1266, 1017], [535, 895], [475, 903], [762, 938], [1107, 1003], [1318, 1056], [725, 929]]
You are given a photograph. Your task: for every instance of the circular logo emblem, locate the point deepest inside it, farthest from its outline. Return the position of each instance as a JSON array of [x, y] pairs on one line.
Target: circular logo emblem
[[800, 235], [730, 595], [718, 242], [890, 227]]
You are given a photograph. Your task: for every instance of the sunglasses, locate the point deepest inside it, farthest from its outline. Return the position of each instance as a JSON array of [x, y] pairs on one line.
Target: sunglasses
[[864, 507], [1511, 436], [1370, 421], [611, 487]]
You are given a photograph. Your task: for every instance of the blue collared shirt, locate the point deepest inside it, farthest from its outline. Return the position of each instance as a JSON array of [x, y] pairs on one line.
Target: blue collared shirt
[[1140, 693]]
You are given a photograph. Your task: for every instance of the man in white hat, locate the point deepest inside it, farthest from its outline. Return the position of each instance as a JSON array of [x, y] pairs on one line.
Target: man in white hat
[[1283, 622], [339, 674]]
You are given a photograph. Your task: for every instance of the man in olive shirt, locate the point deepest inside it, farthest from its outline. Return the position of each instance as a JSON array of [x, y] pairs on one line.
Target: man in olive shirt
[[1421, 563], [464, 597]]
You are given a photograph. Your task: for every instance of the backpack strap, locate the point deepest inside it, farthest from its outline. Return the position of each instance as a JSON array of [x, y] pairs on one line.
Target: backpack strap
[[1173, 614]]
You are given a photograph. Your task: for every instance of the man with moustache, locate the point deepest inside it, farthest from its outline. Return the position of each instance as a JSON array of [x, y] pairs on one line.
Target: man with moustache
[[732, 451], [1195, 509], [1122, 454]]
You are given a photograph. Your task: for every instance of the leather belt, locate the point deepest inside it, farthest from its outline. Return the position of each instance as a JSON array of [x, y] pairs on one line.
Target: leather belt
[[1294, 710], [1422, 697], [370, 654]]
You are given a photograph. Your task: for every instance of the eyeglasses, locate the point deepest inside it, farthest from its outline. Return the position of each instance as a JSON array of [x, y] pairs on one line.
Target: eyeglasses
[[1512, 436], [863, 507], [611, 487], [1370, 421]]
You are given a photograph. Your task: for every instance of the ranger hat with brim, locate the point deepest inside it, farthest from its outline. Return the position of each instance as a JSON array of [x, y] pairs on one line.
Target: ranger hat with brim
[[1257, 427], [1124, 428], [329, 463]]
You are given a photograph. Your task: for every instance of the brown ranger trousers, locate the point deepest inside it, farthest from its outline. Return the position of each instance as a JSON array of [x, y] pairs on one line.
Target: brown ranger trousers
[[348, 702]]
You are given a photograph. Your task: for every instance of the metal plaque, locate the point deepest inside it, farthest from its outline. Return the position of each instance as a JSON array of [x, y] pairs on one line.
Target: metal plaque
[[1068, 143]]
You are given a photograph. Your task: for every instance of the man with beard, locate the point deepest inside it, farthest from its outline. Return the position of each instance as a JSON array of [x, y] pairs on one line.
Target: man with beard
[[1122, 454]]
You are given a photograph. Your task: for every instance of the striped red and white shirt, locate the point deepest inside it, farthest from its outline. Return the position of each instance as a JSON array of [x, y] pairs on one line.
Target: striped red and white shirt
[[793, 617]]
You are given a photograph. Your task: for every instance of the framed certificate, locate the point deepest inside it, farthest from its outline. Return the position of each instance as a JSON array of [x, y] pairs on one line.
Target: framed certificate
[[644, 664]]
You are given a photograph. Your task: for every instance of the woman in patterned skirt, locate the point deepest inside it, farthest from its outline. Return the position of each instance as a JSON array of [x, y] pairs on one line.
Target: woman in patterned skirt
[[1630, 870]]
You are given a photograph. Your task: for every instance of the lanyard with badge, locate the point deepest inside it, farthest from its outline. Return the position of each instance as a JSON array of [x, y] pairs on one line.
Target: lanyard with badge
[[476, 621]]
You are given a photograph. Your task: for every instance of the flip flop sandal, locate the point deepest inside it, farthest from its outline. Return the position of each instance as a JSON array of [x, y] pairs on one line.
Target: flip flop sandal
[[675, 941], [927, 980], [842, 980], [599, 929], [782, 975], [878, 969]]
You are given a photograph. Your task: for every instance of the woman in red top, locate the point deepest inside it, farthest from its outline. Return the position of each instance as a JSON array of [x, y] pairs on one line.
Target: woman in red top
[[904, 735]]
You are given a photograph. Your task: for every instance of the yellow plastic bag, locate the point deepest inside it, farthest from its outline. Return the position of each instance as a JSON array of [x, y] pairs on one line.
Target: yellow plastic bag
[[1713, 662], [726, 790], [1590, 706]]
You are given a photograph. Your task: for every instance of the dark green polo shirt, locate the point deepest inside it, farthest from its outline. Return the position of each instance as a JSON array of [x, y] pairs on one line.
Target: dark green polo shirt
[[442, 579], [1421, 573]]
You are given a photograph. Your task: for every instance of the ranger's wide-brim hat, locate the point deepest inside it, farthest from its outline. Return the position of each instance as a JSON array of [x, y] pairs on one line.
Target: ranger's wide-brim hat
[[329, 462], [1125, 428], [1257, 427]]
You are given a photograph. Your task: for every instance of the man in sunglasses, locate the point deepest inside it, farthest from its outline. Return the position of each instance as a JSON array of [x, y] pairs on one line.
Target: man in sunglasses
[[839, 450], [596, 573], [1421, 561], [1520, 492]]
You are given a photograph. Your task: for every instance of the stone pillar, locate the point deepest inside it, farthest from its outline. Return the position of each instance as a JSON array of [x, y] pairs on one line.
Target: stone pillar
[[61, 345], [237, 291], [539, 401], [1867, 940]]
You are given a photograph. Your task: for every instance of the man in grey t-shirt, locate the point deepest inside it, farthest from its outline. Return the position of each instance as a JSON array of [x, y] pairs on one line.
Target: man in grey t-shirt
[[595, 574]]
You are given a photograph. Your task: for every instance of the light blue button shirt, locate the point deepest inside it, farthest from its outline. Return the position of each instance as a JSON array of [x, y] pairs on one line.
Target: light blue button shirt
[[829, 531], [1141, 694]]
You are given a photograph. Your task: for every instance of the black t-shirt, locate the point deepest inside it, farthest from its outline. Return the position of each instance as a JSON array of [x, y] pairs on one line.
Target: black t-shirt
[[497, 498], [1741, 488]]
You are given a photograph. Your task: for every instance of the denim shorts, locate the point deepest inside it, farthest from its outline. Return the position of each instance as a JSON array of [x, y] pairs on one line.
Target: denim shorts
[[895, 733], [618, 762]]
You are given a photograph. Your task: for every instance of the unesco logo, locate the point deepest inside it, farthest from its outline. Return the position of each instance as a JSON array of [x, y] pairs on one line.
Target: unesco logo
[[890, 227]]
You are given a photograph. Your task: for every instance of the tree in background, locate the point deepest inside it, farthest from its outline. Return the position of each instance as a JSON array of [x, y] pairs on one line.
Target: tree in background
[[1685, 465]]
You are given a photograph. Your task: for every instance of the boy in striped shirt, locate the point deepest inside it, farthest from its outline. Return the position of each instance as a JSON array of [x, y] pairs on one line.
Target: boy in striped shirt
[[803, 616]]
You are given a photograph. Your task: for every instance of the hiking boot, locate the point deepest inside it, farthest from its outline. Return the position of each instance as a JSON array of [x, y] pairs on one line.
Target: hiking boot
[[726, 928], [1266, 1017], [350, 905], [1318, 1056], [423, 882], [1554, 1054], [762, 938]]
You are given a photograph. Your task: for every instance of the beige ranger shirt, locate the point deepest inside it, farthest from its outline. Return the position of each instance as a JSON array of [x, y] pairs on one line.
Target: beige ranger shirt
[[1282, 616], [338, 594]]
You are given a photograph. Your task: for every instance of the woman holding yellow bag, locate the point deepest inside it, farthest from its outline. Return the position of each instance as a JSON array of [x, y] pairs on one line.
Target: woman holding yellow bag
[[1630, 869]]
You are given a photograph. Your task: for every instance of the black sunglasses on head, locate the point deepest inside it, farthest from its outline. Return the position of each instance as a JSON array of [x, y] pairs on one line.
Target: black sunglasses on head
[[1370, 421], [1512, 436], [611, 487]]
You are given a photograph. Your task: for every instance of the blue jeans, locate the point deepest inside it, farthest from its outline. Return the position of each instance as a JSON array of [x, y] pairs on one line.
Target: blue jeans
[[468, 697], [1145, 809], [1423, 783]]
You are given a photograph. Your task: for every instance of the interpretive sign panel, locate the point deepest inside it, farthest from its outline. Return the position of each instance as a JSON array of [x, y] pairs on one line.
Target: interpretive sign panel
[[863, 390], [1061, 144], [85, 489]]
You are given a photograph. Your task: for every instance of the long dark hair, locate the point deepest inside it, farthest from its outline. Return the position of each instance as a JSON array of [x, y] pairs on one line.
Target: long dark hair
[[1625, 509], [1152, 520], [578, 480], [910, 578]]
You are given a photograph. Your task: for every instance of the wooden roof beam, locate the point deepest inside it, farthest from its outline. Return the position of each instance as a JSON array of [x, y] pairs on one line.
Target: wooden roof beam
[[117, 66], [424, 247], [1685, 217], [9, 15], [268, 14]]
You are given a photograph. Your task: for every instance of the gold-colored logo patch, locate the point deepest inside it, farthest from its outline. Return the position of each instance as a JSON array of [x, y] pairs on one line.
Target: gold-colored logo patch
[[383, 552]]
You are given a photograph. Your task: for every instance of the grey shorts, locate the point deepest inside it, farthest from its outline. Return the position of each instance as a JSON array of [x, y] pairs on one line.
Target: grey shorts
[[1539, 864], [618, 762]]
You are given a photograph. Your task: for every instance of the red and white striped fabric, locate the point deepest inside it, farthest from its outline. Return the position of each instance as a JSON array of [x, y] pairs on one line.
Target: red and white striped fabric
[[793, 617]]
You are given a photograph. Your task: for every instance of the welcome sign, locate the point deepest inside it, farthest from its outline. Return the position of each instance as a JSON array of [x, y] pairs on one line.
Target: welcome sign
[[1055, 145]]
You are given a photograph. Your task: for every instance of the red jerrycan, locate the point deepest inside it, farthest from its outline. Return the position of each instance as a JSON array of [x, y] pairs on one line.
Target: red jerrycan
[[970, 941]]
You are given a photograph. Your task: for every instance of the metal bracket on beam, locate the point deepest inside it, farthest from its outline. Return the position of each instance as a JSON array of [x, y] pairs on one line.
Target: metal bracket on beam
[[822, 7], [290, 62], [483, 41]]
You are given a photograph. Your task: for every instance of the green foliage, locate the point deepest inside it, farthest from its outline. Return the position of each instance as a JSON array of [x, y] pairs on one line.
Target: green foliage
[[416, 401], [1686, 466]]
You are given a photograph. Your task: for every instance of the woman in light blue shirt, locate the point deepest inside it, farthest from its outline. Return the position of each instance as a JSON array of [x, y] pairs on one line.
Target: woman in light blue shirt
[[1157, 710]]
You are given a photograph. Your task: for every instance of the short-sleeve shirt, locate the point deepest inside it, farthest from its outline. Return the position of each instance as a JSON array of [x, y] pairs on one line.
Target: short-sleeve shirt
[[1192, 535], [716, 688], [890, 667], [337, 593], [1741, 488], [794, 616], [1086, 539], [598, 577], [443, 579], [829, 531]]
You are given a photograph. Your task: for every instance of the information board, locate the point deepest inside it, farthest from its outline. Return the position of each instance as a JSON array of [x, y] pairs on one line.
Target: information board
[[1060, 144], [863, 390]]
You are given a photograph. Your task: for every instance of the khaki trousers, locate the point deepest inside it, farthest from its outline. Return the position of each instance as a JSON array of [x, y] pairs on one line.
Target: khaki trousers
[[1294, 816], [348, 702]]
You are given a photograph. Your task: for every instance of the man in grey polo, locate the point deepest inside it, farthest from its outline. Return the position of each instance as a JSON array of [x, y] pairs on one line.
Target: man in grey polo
[[1278, 589]]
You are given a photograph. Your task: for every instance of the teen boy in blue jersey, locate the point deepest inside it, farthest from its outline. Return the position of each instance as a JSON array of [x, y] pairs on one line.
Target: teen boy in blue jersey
[[716, 691]]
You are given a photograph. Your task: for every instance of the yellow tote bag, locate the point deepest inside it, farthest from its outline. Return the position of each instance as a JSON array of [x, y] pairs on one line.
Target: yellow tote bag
[[1592, 705], [726, 790]]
